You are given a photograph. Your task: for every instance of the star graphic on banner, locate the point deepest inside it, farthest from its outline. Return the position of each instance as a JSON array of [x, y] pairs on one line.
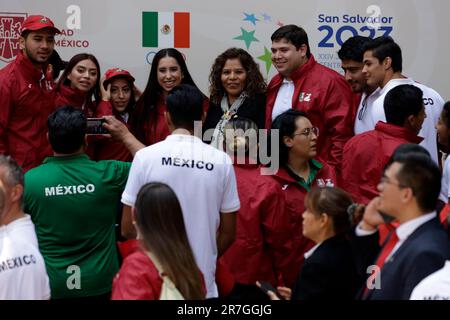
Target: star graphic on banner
[[251, 18], [267, 58], [280, 24], [266, 17], [247, 36]]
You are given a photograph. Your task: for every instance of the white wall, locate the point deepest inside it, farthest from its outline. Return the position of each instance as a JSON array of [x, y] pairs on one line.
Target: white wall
[[113, 30]]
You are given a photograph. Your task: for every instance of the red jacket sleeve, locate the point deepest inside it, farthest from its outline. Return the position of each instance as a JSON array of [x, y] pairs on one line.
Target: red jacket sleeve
[[137, 279], [6, 108], [338, 117], [275, 223], [104, 108], [361, 169]]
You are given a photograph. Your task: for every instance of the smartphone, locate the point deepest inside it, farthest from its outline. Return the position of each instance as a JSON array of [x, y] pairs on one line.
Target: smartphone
[[266, 287], [95, 126]]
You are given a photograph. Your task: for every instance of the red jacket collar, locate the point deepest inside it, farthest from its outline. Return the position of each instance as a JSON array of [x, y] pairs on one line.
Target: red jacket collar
[[397, 131], [296, 74], [73, 96], [26, 65], [284, 175]]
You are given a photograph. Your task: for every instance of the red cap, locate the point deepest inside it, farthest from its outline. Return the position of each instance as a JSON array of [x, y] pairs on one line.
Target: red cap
[[38, 22], [116, 72]]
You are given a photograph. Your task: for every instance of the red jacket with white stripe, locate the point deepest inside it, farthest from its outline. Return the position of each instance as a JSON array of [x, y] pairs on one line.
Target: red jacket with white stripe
[[324, 95], [26, 100], [365, 156], [261, 243], [295, 194]]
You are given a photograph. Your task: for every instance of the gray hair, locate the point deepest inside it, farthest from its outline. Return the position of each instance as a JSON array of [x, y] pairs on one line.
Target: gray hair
[[14, 173]]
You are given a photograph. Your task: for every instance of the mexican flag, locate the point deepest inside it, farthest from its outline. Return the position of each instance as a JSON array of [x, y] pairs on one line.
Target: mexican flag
[[165, 29]]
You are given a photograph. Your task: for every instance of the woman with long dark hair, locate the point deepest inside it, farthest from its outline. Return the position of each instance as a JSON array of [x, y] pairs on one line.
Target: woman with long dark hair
[[168, 70], [161, 230], [117, 99], [79, 85]]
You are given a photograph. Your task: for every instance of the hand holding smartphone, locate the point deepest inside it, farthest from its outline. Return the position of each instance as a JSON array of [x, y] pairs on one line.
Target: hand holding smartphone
[[266, 287], [95, 126]]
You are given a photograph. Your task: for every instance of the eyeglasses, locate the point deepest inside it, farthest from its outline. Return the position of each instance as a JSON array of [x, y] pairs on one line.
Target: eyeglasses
[[308, 132], [385, 180]]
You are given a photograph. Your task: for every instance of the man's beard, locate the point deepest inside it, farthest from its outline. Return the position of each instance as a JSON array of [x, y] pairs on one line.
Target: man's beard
[[33, 60]]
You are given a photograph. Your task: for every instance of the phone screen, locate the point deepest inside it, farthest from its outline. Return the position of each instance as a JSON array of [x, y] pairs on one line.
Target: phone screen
[[95, 126], [266, 287]]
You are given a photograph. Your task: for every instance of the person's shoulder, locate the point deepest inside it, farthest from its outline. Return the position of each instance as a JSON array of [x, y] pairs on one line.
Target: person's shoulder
[[8, 70], [37, 172], [139, 263], [275, 81], [113, 163], [328, 80], [155, 148], [23, 239], [425, 89], [436, 286], [23, 223], [257, 97], [216, 156], [326, 72], [267, 181], [333, 251], [432, 238], [11, 76], [362, 138]]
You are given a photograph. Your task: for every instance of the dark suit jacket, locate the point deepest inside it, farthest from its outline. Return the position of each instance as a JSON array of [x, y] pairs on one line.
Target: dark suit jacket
[[423, 252], [329, 273]]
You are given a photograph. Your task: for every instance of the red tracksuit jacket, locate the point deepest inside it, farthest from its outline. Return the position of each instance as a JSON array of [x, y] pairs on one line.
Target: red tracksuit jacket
[[26, 100], [326, 98], [294, 197], [365, 156], [261, 245], [66, 95]]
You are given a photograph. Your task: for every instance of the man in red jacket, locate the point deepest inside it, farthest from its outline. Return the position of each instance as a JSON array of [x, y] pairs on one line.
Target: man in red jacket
[[366, 154], [308, 86], [26, 94]]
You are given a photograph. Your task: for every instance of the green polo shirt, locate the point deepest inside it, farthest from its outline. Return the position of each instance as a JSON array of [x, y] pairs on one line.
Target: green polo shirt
[[314, 167], [73, 204]]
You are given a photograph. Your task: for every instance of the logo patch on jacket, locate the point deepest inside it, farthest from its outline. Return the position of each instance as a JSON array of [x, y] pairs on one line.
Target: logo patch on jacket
[[304, 97], [325, 183]]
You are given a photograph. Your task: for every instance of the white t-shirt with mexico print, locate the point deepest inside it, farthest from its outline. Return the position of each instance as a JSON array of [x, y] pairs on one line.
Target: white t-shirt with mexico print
[[203, 179], [22, 269]]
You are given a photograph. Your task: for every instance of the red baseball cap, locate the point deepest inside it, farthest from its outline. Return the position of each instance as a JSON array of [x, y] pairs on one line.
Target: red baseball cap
[[116, 72], [38, 22]]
